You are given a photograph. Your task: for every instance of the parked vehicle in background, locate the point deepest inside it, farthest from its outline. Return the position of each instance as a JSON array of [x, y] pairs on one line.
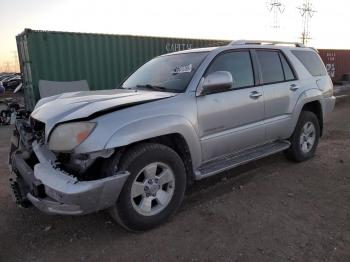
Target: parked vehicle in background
[[180, 117], [4, 76], [12, 82], [12, 111], [2, 88]]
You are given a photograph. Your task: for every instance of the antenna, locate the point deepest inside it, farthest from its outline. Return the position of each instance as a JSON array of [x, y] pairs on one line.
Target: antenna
[[276, 7], [306, 12]]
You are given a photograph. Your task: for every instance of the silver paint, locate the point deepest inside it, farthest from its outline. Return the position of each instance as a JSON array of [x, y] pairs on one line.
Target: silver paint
[[212, 125]]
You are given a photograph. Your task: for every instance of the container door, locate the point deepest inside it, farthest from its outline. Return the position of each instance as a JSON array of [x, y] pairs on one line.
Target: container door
[[24, 63]]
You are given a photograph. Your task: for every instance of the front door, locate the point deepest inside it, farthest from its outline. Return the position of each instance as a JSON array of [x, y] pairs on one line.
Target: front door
[[232, 121]]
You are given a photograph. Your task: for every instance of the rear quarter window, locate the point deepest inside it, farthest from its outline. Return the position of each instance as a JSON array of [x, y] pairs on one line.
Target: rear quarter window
[[288, 72], [311, 61]]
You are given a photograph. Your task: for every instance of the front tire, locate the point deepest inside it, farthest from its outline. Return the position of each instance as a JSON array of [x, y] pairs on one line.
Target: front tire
[[305, 138], [154, 190]]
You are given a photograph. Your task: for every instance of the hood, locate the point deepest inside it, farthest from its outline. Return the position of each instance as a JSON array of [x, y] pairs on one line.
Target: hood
[[76, 105]]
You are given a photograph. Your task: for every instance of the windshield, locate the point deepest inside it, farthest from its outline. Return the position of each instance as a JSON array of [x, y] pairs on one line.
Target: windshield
[[170, 73]]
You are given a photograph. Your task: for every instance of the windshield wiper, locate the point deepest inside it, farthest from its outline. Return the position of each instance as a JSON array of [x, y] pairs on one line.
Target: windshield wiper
[[154, 87], [159, 88]]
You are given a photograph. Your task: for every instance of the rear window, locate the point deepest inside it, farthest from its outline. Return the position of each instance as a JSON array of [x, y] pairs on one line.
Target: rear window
[[311, 61], [271, 67]]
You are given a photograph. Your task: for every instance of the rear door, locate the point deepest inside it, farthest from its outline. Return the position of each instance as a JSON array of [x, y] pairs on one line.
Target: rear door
[[232, 121], [281, 90]]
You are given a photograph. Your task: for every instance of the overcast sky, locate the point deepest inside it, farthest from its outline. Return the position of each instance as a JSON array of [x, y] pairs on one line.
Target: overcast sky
[[219, 19]]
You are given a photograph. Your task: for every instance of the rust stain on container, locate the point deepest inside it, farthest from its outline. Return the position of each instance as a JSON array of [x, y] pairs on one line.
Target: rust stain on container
[[337, 62]]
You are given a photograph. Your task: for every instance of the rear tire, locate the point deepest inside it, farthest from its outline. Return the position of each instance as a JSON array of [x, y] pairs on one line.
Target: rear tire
[[305, 138], [154, 190]]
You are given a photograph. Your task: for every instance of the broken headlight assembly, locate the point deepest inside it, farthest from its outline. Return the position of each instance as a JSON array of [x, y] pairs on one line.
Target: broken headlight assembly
[[65, 137]]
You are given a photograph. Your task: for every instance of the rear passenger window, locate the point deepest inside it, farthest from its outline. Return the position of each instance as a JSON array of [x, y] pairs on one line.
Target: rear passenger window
[[288, 72], [239, 64], [271, 68], [311, 61]]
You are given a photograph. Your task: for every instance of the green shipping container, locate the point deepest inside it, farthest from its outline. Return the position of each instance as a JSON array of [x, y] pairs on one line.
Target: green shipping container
[[103, 60]]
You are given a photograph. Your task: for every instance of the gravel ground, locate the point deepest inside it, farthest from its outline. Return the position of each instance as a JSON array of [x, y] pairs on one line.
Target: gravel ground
[[268, 210]]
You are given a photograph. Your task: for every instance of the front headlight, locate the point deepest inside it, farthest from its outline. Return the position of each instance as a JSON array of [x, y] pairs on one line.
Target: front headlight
[[66, 137]]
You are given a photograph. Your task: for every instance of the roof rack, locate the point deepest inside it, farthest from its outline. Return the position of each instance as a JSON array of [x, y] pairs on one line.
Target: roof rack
[[264, 42]]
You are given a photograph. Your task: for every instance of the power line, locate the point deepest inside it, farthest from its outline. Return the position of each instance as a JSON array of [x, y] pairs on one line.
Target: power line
[[306, 12], [15, 60], [276, 7], [7, 66]]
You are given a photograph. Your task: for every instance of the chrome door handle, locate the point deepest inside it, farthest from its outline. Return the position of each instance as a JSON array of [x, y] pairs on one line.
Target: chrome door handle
[[255, 94], [293, 87]]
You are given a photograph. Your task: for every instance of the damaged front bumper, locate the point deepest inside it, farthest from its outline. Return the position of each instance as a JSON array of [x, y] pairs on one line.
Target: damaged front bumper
[[54, 191]]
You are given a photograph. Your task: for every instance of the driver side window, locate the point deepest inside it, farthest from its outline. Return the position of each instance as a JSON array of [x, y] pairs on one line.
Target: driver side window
[[239, 64]]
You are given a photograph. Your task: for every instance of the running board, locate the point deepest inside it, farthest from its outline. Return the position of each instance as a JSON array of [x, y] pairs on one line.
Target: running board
[[221, 164]]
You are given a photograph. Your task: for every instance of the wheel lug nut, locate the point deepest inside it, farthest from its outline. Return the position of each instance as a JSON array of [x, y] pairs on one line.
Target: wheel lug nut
[[150, 181], [156, 180], [147, 195], [146, 188]]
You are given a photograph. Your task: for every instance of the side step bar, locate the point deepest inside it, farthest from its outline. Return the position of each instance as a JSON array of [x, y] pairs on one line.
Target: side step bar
[[221, 164]]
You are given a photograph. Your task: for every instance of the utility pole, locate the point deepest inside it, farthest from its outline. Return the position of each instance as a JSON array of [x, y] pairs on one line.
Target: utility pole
[[276, 7], [7, 66], [15, 61], [306, 12]]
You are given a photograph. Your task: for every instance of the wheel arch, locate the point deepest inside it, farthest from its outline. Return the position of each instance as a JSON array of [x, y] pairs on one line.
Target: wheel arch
[[309, 100], [175, 132], [176, 142], [316, 108]]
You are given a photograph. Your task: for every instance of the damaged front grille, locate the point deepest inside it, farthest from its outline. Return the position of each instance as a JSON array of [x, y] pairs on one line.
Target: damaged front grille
[[38, 128], [86, 167]]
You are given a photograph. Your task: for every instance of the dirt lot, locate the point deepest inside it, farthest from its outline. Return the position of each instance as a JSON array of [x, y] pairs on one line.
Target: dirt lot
[[269, 210]]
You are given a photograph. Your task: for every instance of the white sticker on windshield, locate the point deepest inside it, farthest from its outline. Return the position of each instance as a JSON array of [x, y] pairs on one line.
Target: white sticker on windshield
[[183, 69]]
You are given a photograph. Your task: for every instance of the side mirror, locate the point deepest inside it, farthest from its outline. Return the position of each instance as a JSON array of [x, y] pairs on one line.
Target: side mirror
[[215, 82]]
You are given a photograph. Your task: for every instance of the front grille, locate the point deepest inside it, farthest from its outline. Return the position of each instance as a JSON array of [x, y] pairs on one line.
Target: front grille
[[38, 128], [37, 125]]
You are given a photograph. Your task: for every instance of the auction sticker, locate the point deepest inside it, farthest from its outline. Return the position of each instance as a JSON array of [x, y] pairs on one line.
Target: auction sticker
[[183, 69]]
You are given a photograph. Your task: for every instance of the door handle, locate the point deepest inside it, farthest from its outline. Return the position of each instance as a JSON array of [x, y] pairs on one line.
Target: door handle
[[255, 94], [293, 87]]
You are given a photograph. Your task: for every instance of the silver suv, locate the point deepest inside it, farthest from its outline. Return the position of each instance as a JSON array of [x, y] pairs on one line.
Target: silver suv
[[178, 118]]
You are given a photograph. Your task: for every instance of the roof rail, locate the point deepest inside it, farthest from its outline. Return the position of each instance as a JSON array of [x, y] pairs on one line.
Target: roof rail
[[264, 42]]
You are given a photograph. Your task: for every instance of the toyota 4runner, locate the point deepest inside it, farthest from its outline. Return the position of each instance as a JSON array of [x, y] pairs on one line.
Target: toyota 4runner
[[178, 118]]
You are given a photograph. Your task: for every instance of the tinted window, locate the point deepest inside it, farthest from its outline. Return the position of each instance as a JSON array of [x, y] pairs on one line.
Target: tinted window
[[311, 61], [271, 68], [238, 64], [288, 72]]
